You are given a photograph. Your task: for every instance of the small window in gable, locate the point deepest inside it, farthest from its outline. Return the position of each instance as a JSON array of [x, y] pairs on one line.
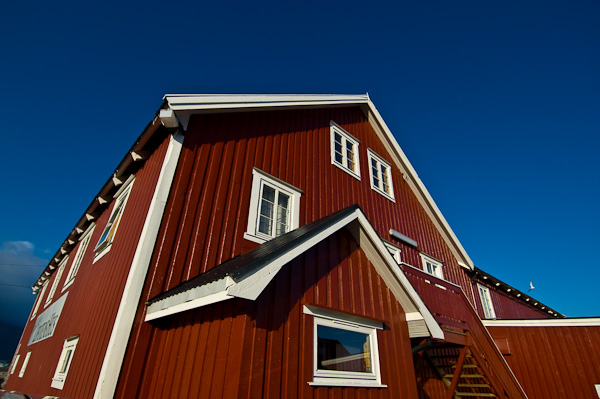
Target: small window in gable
[[108, 234], [344, 151], [83, 244], [486, 302], [381, 175], [39, 299], [345, 350], [24, 366], [394, 251], [64, 362], [432, 266], [57, 277], [15, 362], [274, 207]]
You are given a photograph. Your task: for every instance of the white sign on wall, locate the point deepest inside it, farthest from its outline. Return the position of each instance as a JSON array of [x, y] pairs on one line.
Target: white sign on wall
[[46, 322]]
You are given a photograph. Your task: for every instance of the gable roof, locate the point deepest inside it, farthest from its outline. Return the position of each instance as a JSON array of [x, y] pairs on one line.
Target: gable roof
[[247, 275], [182, 106]]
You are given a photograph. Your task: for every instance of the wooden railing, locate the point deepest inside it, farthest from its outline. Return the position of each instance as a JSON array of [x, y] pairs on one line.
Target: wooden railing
[[450, 307]]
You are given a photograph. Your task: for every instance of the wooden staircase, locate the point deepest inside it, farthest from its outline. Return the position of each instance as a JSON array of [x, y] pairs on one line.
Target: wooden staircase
[[461, 373]]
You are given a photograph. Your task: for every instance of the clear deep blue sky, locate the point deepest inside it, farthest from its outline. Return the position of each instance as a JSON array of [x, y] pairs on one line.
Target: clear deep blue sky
[[496, 104]]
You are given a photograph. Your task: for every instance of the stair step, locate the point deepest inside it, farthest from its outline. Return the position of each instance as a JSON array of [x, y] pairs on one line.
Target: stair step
[[473, 385], [464, 376], [473, 394], [467, 366]]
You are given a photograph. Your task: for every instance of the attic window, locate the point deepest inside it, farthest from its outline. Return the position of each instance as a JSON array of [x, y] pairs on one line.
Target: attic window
[[57, 277], [108, 234], [344, 151], [345, 350], [83, 244], [274, 207], [381, 175], [64, 362], [486, 302]]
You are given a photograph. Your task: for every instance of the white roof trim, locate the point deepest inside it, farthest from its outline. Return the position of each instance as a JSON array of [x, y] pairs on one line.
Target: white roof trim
[[570, 322], [254, 284], [185, 105]]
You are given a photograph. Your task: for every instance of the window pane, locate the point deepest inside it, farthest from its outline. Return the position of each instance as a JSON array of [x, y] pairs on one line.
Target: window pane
[[343, 350], [282, 214], [65, 362], [384, 179], [265, 223]]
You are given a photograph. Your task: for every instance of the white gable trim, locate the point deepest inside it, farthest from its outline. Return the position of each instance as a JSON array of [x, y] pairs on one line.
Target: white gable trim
[[185, 105], [421, 323], [570, 322]]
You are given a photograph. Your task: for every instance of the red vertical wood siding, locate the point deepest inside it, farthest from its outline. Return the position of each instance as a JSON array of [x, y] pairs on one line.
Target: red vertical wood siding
[[263, 348], [93, 299], [554, 362]]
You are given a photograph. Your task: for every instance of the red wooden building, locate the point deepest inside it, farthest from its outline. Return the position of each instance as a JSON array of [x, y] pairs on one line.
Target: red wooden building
[[279, 246]]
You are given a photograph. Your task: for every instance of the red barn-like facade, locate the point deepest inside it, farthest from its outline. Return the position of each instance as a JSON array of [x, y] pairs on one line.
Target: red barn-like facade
[[279, 246]]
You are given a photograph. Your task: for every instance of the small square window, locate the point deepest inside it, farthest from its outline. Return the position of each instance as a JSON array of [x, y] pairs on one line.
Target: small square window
[[381, 175], [83, 244], [64, 362], [344, 151], [57, 277], [345, 350], [108, 234], [274, 208], [24, 366], [486, 302], [432, 266]]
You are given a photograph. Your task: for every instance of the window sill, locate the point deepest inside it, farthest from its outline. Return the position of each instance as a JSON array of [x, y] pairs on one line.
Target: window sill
[[345, 169], [254, 238], [101, 253], [327, 382], [386, 195]]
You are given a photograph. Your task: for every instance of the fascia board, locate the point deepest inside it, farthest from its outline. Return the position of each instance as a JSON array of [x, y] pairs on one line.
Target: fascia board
[[466, 260], [219, 101], [573, 322], [433, 326]]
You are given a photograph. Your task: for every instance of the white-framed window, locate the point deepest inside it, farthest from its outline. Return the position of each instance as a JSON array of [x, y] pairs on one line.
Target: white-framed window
[[345, 350], [24, 366], [344, 150], [394, 251], [380, 173], [39, 299], [57, 277], [15, 362], [64, 362], [108, 234], [432, 266], [83, 244], [486, 302], [274, 207]]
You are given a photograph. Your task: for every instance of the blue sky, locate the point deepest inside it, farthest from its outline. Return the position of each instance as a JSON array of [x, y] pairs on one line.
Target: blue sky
[[496, 104]]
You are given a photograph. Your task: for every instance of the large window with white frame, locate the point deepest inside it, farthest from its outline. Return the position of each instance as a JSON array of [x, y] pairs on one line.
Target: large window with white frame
[[432, 266], [108, 234], [274, 207], [64, 362], [380, 173], [57, 277], [486, 302], [39, 299], [345, 349], [344, 150], [83, 244]]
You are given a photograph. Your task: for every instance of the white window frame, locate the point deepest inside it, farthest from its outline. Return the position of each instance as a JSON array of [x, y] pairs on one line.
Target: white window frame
[[84, 241], [39, 299], [486, 302], [379, 187], [57, 277], [60, 375], [259, 180], [345, 139], [15, 362], [436, 265], [343, 321], [24, 366], [114, 220], [395, 251]]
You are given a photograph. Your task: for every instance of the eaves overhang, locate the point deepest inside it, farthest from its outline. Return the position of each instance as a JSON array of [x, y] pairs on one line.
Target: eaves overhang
[[247, 275], [566, 322], [511, 291]]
